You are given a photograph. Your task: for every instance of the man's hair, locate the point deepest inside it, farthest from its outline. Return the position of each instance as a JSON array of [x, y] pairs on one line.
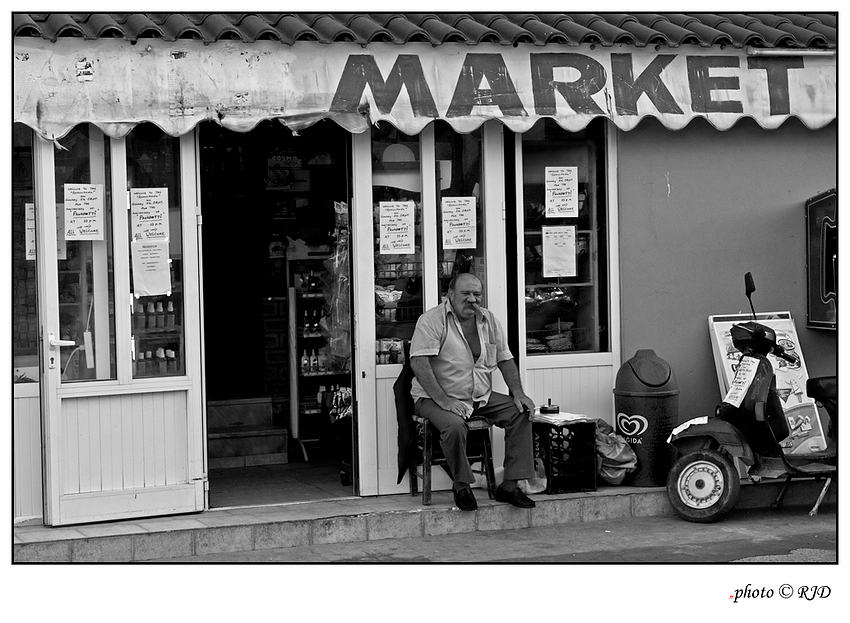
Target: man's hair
[[455, 278]]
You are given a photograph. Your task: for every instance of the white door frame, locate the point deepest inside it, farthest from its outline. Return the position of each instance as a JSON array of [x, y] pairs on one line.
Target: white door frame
[[608, 359], [368, 376], [185, 491]]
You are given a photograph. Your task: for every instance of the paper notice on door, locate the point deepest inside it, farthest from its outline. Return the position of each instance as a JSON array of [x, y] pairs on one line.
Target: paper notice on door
[[744, 376], [562, 192], [396, 227], [29, 230], [559, 251], [84, 211], [459, 227], [149, 213], [151, 274], [61, 247]]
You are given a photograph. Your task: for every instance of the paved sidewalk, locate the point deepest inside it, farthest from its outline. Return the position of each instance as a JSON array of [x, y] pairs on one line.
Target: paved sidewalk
[[742, 536], [349, 520]]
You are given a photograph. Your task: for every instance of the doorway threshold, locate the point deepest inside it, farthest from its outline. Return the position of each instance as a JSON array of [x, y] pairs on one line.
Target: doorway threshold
[[280, 504], [270, 485]]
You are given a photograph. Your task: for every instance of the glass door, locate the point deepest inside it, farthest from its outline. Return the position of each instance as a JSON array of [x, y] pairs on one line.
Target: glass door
[[423, 213], [122, 435], [566, 242]]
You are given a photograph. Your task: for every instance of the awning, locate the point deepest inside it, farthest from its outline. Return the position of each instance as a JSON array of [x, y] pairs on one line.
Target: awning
[[115, 85]]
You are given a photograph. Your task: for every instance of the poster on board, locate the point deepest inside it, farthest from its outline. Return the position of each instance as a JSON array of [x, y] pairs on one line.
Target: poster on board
[[149, 213], [151, 270], [61, 246], [559, 251], [396, 227], [83, 211], [807, 434], [561, 192], [459, 227]]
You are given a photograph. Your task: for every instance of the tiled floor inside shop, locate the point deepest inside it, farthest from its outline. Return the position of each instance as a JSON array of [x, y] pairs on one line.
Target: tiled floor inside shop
[[277, 484]]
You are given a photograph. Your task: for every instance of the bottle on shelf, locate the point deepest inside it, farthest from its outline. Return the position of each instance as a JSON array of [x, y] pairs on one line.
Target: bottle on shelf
[[314, 361], [161, 366], [323, 360], [170, 361], [149, 361], [151, 316], [140, 364], [169, 315], [139, 321], [314, 326], [160, 316], [305, 362]]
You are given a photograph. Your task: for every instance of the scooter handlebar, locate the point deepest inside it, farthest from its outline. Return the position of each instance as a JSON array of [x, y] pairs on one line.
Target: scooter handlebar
[[791, 358]]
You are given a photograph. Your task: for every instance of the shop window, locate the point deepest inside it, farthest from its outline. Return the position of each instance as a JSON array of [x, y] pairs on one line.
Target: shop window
[[565, 232], [460, 225], [84, 246], [156, 252], [397, 222], [24, 310]]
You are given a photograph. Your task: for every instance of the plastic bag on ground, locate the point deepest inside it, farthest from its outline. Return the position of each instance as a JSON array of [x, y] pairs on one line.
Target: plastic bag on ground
[[614, 456]]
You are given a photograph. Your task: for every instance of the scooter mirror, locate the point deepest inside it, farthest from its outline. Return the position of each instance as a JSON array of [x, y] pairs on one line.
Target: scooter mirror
[[749, 284]]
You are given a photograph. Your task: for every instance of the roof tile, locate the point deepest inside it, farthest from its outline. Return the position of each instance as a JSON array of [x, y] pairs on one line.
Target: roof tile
[[786, 30], [141, 26], [676, 35]]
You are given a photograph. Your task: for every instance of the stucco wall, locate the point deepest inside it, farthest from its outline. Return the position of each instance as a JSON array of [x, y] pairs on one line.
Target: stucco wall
[[698, 209]]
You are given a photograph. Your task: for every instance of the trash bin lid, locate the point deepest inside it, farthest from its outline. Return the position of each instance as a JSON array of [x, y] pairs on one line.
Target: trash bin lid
[[645, 370], [649, 368]]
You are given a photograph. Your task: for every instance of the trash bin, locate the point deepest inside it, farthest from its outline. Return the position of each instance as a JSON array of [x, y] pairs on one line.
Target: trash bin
[[646, 403]]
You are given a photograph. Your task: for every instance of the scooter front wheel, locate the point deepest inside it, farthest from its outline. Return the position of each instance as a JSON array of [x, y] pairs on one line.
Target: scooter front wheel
[[703, 486]]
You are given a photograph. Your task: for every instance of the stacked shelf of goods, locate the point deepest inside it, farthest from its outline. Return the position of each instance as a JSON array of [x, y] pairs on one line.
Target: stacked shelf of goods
[[555, 340]]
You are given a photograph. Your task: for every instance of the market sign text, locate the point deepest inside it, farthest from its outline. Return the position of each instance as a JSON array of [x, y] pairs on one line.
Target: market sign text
[[588, 78]]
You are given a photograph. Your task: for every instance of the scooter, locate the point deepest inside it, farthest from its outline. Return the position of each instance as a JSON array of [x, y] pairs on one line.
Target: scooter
[[704, 483]]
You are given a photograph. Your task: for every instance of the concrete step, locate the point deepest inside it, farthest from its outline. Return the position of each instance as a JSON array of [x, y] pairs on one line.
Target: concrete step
[[354, 519], [242, 446]]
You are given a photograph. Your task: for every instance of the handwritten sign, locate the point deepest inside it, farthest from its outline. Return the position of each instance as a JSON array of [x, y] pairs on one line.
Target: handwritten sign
[[459, 226], [151, 274], [61, 246], [562, 192], [559, 251], [743, 379], [149, 213], [29, 229], [83, 211], [396, 227]]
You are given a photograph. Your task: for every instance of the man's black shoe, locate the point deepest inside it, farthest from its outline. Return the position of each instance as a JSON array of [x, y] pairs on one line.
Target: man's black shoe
[[464, 499], [515, 497]]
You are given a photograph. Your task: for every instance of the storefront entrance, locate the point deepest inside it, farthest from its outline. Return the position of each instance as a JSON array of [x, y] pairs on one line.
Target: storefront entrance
[[277, 314]]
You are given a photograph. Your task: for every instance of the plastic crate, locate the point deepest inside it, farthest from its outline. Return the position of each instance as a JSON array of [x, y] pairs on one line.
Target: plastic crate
[[568, 454]]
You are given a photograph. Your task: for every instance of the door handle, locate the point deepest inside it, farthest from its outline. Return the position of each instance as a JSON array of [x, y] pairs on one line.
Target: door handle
[[54, 343]]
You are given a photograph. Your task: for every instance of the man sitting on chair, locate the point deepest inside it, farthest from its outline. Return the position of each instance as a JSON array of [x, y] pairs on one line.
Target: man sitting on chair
[[454, 350]]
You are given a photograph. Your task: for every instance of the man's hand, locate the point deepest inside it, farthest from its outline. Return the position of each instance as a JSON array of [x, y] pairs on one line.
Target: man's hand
[[523, 402], [458, 407]]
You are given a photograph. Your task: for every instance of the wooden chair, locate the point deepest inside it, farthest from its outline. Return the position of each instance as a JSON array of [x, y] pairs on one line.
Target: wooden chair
[[478, 450]]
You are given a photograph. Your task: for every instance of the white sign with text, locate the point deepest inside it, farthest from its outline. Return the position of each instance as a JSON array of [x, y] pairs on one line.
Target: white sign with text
[[84, 211], [459, 227], [561, 192], [149, 213], [396, 227]]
